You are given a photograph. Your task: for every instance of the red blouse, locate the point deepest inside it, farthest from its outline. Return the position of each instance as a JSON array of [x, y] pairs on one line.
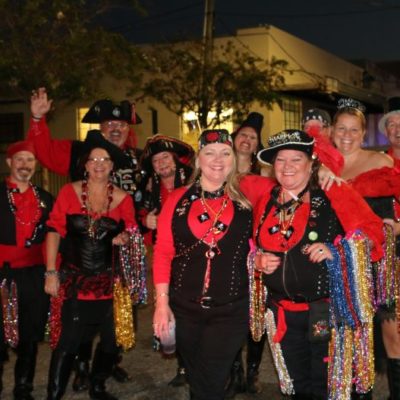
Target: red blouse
[[164, 250], [68, 202], [351, 209]]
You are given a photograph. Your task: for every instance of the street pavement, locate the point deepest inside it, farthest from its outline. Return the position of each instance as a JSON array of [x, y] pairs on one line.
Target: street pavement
[[150, 373]]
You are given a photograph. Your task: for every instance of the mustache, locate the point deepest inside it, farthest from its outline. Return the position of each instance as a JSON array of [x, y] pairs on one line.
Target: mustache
[[28, 170]]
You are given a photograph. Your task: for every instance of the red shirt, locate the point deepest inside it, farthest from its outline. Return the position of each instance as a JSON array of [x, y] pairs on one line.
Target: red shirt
[[164, 250], [53, 154], [27, 215]]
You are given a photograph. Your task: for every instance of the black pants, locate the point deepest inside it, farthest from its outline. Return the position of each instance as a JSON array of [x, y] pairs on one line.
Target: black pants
[[83, 320], [208, 341], [306, 361]]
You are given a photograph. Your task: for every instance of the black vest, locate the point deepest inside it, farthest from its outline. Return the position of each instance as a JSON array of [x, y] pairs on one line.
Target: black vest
[[8, 231], [297, 278], [229, 278]]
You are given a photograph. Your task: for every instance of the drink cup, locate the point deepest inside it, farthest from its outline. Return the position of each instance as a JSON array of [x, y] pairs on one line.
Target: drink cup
[[167, 339]]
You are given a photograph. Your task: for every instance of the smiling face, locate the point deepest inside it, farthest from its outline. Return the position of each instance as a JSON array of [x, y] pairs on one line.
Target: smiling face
[[246, 141], [99, 164], [348, 133], [292, 169], [115, 132], [216, 161], [22, 166], [164, 164], [392, 128]]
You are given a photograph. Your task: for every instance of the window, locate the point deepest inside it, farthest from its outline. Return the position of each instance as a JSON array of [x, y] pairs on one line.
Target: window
[[83, 127], [291, 113]]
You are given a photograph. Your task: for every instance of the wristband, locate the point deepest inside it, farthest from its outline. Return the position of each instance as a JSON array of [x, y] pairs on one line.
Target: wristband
[[163, 294], [51, 272]]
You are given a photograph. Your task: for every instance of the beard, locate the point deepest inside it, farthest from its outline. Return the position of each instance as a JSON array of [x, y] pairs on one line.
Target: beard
[[24, 174]]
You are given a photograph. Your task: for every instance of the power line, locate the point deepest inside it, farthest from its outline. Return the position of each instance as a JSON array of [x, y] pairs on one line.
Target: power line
[[317, 78], [312, 15]]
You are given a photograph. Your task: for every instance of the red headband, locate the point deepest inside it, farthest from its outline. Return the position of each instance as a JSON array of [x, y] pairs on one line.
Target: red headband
[[23, 145]]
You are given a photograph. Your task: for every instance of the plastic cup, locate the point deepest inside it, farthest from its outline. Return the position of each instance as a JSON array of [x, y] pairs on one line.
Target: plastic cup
[[167, 339]]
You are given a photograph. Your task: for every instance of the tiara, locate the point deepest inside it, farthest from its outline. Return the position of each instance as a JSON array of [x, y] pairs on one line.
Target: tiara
[[350, 103]]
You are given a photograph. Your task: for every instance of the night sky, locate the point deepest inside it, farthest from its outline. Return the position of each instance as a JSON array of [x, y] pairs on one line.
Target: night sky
[[351, 29]]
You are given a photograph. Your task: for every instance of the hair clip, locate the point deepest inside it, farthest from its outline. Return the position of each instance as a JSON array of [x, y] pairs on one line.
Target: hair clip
[[350, 103]]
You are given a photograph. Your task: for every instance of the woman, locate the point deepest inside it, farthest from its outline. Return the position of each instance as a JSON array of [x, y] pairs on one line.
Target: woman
[[295, 224], [200, 272], [372, 175], [91, 216], [247, 143]]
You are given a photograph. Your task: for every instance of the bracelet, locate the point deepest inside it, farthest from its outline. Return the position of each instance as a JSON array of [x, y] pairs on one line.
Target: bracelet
[[163, 294], [51, 272]]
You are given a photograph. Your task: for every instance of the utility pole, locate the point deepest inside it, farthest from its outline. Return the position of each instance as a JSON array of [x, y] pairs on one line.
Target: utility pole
[[208, 31], [207, 58]]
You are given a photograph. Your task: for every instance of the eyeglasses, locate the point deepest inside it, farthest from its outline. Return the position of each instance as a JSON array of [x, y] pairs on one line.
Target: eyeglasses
[[99, 159], [116, 124]]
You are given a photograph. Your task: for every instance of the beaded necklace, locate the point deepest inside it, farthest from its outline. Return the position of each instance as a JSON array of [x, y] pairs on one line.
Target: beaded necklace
[[215, 229], [286, 212], [86, 207], [34, 221]]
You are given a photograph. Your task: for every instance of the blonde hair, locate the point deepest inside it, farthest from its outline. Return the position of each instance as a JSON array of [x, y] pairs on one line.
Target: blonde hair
[[232, 188]]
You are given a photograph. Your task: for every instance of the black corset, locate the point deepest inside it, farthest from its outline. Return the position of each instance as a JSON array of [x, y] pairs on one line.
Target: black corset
[[88, 254]]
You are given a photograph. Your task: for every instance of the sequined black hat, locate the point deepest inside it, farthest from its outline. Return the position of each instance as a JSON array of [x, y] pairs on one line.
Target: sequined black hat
[[289, 139], [318, 115], [106, 110]]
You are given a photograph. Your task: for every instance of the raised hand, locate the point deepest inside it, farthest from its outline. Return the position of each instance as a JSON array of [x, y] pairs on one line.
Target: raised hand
[[40, 104]]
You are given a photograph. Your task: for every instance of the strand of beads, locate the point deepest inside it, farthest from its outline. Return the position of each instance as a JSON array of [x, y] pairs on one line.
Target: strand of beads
[[285, 382], [258, 297]]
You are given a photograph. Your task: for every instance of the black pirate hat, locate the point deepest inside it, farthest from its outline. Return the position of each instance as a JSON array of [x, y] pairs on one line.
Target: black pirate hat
[[106, 110], [254, 120], [95, 139], [159, 143]]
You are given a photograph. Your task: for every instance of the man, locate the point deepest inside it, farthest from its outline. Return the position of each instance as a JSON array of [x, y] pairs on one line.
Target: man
[[318, 124], [389, 125], [64, 157], [24, 211], [315, 118], [167, 162]]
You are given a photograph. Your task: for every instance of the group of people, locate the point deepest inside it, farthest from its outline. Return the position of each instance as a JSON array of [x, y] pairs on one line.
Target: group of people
[[246, 241]]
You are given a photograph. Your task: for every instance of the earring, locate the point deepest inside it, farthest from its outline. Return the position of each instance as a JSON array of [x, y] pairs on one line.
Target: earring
[[111, 177], [85, 175]]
